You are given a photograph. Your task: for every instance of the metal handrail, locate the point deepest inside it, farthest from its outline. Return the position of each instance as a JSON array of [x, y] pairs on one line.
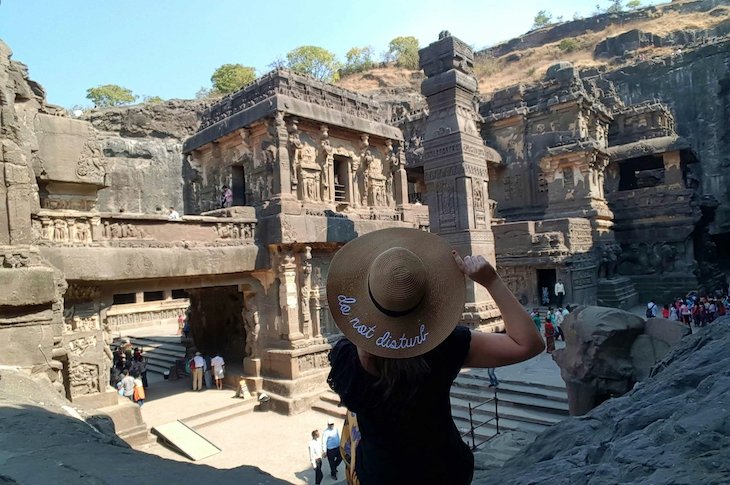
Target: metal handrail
[[474, 444]]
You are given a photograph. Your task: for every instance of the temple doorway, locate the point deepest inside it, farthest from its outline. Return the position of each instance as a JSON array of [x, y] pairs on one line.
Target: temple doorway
[[238, 185], [216, 322], [546, 278], [342, 179]]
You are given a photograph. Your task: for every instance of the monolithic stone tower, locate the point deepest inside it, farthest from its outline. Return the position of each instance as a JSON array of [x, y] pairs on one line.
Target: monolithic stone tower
[[455, 164]]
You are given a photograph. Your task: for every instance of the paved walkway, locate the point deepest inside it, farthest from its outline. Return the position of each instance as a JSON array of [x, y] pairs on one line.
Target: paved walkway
[[277, 444]]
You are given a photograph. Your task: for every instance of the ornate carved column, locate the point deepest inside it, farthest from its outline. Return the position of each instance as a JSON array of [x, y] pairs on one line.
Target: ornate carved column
[[455, 164], [288, 296], [327, 160], [282, 170], [305, 289]]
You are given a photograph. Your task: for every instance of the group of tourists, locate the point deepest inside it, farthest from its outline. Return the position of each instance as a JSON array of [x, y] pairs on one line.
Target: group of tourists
[[128, 374], [552, 325], [694, 308], [206, 369], [327, 446]]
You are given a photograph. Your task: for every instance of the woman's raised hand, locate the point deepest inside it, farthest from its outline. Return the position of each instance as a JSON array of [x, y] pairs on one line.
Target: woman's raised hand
[[476, 267]]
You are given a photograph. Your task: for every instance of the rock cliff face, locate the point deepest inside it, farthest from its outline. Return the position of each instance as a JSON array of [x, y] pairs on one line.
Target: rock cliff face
[[142, 145], [695, 83], [674, 428]]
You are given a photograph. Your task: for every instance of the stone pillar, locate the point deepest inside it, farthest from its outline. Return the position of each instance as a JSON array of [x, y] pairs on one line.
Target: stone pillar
[[289, 296], [455, 164], [673, 169], [139, 297], [400, 185], [167, 294], [282, 167]]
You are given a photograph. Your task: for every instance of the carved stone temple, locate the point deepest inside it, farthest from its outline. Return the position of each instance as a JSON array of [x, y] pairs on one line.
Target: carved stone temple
[[557, 180]]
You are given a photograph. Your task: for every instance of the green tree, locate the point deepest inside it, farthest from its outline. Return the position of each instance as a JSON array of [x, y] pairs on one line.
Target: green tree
[[314, 61], [543, 18], [110, 95], [615, 6], [633, 4], [153, 99], [404, 51], [358, 59], [231, 77]]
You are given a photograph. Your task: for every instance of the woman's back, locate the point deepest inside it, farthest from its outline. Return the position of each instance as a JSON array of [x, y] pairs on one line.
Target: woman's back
[[412, 440]]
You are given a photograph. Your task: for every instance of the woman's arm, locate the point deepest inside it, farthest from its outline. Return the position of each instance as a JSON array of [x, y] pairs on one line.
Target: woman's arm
[[522, 340]]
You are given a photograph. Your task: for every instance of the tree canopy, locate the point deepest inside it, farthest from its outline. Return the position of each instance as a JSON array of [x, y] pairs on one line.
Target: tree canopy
[[313, 61], [358, 59], [110, 95], [542, 19], [404, 51], [231, 77]]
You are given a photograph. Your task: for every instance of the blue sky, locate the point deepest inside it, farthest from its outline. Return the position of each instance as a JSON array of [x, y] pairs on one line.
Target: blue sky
[[170, 48]]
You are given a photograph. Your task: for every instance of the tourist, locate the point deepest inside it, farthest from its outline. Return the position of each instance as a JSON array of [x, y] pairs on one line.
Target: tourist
[[208, 373], [665, 312], [560, 292], [173, 215], [180, 323], [218, 365], [398, 385], [226, 197], [127, 383], [186, 327], [138, 394], [127, 349], [557, 322], [545, 295], [142, 365], [549, 337], [673, 315], [331, 447], [685, 312], [197, 366], [651, 309], [315, 456], [493, 381], [536, 319]]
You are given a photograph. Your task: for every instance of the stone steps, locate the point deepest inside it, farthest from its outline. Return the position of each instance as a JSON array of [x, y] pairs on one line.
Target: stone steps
[[522, 406], [128, 422], [329, 404], [208, 418], [162, 353]]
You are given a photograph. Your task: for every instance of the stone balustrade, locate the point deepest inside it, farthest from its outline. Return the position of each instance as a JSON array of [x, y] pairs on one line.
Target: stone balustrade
[[135, 315], [95, 229]]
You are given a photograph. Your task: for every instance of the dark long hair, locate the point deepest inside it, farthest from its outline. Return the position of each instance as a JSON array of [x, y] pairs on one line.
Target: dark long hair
[[399, 379]]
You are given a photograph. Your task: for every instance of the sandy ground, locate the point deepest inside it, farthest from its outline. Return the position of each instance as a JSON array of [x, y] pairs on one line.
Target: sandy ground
[[277, 444]]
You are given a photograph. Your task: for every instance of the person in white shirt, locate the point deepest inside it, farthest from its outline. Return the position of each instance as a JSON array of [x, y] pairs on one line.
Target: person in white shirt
[[315, 456], [560, 292], [198, 369], [218, 365], [331, 446], [174, 215]]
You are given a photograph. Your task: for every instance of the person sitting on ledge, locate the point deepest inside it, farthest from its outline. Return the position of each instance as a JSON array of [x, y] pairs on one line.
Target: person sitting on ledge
[[397, 296]]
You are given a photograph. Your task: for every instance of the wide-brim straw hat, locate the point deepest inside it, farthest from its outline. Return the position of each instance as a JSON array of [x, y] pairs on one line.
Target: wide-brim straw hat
[[396, 293]]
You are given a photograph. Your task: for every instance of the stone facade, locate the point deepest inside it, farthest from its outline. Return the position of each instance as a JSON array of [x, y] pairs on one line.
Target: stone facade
[[319, 166]]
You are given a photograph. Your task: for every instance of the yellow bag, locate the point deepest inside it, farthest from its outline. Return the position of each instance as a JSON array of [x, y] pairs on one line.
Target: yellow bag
[[138, 393], [350, 437]]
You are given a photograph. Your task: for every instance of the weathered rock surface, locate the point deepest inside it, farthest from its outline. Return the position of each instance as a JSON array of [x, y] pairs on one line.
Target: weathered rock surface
[[596, 362], [674, 428], [142, 145], [46, 440]]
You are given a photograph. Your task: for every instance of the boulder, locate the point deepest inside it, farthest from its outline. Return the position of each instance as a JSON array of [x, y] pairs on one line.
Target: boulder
[[596, 362], [673, 428], [668, 331]]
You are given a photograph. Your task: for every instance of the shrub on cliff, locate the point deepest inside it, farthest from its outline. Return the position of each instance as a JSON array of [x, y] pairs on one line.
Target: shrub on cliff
[[110, 95], [404, 52], [231, 77], [358, 59], [312, 61]]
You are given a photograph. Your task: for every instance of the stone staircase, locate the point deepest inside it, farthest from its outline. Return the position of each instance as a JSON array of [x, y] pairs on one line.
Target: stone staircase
[[126, 416], [161, 352], [526, 407], [329, 404], [218, 415]]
